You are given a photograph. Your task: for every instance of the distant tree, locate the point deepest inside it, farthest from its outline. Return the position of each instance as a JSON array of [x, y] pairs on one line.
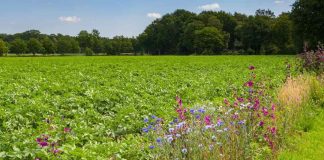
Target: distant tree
[[308, 18], [34, 46], [108, 47], [75, 48], [209, 40], [49, 46], [85, 39], [67, 45], [283, 34], [18, 46], [88, 52], [3, 48], [265, 13], [255, 33], [97, 45]]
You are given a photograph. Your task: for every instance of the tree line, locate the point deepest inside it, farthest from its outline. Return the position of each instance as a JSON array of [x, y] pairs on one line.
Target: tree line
[[184, 32]]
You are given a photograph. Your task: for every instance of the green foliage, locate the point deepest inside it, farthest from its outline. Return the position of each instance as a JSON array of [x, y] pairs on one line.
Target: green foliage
[[3, 48], [34, 46], [308, 18], [209, 40], [18, 46], [88, 52], [104, 99]]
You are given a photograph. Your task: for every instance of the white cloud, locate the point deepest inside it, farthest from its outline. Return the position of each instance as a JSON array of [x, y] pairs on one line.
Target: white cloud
[[210, 7], [154, 15], [278, 2], [70, 19]]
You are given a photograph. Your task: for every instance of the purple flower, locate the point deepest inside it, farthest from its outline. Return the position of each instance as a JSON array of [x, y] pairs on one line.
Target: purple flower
[[146, 130], [152, 147], [170, 139], [261, 124], [249, 83], [201, 110], [153, 116], [240, 99], [38, 140], [192, 111], [198, 116], [146, 120], [56, 151], [159, 140], [43, 144]]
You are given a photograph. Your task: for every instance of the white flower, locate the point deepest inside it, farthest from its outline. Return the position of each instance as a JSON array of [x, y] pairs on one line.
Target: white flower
[[184, 150], [178, 135], [171, 129], [170, 139]]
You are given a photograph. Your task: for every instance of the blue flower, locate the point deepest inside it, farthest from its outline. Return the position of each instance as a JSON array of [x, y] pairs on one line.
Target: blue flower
[[159, 140], [153, 116], [198, 116], [176, 120], [192, 111], [146, 120], [145, 130], [149, 127], [152, 147], [201, 110]]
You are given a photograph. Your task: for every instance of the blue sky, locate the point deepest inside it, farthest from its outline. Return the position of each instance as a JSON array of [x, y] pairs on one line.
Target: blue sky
[[112, 17]]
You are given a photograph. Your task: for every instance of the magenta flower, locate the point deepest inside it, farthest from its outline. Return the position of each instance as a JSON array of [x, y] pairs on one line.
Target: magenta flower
[[240, 99], [273, 107], [251, 68], [207, 120], [249, 83], [273, 130], [67, 130], [43, 144], [261, 124], [265, 111]]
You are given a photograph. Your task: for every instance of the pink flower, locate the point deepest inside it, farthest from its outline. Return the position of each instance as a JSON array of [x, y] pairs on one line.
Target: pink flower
[[67, 130], [251, 68], [265, 111], [273, 107], [261, 124], [226, 101], [273, 130], [207, 120]]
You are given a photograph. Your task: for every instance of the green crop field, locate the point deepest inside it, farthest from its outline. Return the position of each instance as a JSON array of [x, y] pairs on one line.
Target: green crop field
[[103, 100]]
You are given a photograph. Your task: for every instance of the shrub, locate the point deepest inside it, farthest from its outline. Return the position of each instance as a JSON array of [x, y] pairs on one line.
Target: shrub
[[313, 60], [88, 52]]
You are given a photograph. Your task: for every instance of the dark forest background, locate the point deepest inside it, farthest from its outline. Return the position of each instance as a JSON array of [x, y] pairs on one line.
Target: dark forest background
[[185, 33]]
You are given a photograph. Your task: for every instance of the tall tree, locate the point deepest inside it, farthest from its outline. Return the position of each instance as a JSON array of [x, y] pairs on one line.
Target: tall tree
[[34, 46], [3, 48], [210, 40], [308, 18], [18, 46], [49, 46]]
